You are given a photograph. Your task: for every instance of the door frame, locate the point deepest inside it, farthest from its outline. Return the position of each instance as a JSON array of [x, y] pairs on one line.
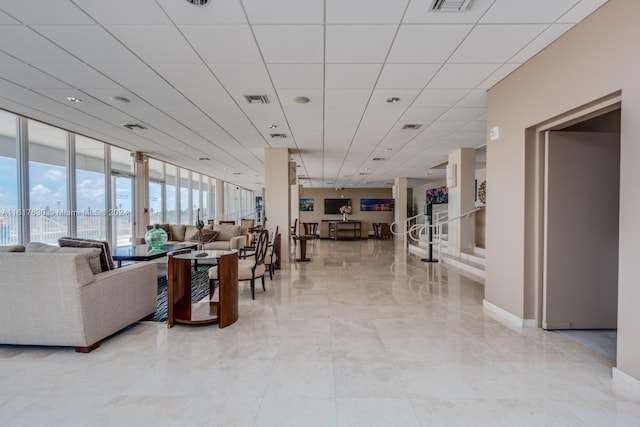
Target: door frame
[[534, 199]]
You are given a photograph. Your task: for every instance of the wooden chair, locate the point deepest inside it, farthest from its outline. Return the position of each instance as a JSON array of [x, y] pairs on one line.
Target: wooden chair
[[294, 230], [272, 260], [385, 231], [311, 228], [247, 223], [248, 269], [228, 222]]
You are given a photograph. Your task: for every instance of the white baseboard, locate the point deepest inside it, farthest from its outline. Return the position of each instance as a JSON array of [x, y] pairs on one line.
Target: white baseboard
[[625, 384], [508, 317]]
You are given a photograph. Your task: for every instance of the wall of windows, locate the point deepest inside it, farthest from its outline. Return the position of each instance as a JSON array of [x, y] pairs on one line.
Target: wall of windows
[[54, 183]]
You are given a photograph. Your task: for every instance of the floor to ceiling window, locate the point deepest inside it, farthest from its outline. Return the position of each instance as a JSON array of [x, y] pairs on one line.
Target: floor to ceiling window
[[48, 209], [156, 190], [91, 210], [9, 220], [171, 180], [122, 197], [185, 206]]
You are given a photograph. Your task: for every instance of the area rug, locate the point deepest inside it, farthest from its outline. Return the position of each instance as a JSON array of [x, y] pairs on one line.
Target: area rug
[[199, 289]]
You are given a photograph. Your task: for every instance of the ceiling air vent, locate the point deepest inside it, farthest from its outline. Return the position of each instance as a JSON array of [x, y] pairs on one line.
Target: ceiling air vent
[[257, 99], [278, 135], [414, 126], [449, 5], [133, 126], [377, 159], [199, 2]]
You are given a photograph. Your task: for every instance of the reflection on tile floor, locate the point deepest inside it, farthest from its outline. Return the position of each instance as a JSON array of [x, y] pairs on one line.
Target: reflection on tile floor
[[364, 334]]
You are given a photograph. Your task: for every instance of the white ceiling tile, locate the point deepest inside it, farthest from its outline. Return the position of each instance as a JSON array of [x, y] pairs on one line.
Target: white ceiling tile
[[290, 44], [461, 113], [29, 77], [525, 11], [440, 97], [542, 41], [223, 44], [419, 13], [498, 75], [216, 12], [253, 79], [365, 11], [59, 11], [80, 76], [6, 19], [456, 76], [423, 115], [475, 98], [188, 76], [427, 43], [287, 97], [6, 59], [156, 43], [353, 44], [285, 11], [495, 43], [132, 76], [104, 94], [297, 76], [30, 47], [103, 47], [407, 75], [351, 76], [580, 11], [446, 126], [127, 12]]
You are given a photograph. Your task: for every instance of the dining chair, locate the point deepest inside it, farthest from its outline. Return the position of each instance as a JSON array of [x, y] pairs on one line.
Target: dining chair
[[273, 255], [228, 222], [294, 230], [248, 269]]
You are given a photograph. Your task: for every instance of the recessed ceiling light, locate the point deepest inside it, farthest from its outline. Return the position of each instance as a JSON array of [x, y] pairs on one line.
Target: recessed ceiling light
[[278, 135], [236, 173], [73, 99], [204, 158], [377, 159], [272, 126], [363, 173], [119, 99], [301, 99], [388, 149], [368, 182], [411, 126], [393, 99]]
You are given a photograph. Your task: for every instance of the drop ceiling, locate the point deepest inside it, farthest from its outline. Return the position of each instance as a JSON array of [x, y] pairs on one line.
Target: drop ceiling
[[186, 71]]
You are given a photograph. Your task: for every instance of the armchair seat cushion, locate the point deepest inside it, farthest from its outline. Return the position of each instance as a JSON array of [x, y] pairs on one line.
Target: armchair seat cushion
[[244, 270]]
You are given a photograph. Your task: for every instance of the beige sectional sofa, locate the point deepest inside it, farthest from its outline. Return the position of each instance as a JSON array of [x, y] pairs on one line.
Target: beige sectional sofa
[[227, 236], [51, 296]]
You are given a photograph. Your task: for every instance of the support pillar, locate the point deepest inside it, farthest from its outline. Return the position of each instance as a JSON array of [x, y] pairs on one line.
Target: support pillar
[[400, 208], [219, 200], [277, 197], [461, 182]]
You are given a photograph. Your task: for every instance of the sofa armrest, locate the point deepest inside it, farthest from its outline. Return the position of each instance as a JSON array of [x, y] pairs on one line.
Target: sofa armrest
[[237, 242]]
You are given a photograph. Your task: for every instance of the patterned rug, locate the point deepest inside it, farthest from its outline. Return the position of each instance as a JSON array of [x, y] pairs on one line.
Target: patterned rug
[[199, 289]]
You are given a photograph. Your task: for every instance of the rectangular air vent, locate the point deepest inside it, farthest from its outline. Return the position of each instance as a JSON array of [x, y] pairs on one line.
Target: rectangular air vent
[[378, 159], [449, 5], [257, 99], [278, 135], [133, 126], [411, 126]]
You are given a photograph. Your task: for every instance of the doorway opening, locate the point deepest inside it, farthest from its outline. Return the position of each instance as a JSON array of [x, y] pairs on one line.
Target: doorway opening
[[577, 228]]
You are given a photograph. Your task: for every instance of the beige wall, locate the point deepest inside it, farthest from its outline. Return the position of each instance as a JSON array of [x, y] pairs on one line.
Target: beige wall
[[355, 194], [595, 59]]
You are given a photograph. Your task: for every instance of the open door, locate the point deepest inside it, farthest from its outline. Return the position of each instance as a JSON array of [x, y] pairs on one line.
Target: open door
[[581, 199]]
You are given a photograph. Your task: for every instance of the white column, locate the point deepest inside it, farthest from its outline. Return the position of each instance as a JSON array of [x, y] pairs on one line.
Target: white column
[[277, 199], [400, 209], [462, 166], [219, 199]]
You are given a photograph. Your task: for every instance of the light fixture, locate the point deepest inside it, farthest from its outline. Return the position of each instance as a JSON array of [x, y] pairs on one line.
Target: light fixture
[[272, 126], [73, 99], [411, 126], [132, 126], [388, 149], [301, 99], [378, 159], [393, 100], [204, 158]]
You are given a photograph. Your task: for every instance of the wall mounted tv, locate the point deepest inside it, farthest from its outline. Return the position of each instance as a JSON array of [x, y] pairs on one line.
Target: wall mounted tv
[[332, 206], [438, 195]]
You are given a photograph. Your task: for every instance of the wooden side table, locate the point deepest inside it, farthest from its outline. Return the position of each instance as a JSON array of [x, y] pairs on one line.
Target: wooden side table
[[181, 309]]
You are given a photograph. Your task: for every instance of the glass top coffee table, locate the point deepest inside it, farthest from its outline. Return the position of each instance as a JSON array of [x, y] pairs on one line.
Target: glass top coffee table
[[145, 253]]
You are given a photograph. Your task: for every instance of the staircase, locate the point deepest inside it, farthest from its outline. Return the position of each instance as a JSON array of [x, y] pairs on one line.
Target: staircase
[[472, 263]]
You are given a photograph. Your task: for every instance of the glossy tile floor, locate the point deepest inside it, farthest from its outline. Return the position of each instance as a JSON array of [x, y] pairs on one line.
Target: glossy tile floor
[[362, 335]]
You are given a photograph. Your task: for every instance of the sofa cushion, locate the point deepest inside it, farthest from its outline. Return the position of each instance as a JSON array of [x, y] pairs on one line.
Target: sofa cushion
[[92, 255], [106, 261], [165, 227], [227, 231], [178, 232], [40, 247], [208, 236], [12, 248]]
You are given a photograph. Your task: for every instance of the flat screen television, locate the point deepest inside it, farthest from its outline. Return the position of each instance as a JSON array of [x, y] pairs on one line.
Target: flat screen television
[[332, 206], [438, 195]]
